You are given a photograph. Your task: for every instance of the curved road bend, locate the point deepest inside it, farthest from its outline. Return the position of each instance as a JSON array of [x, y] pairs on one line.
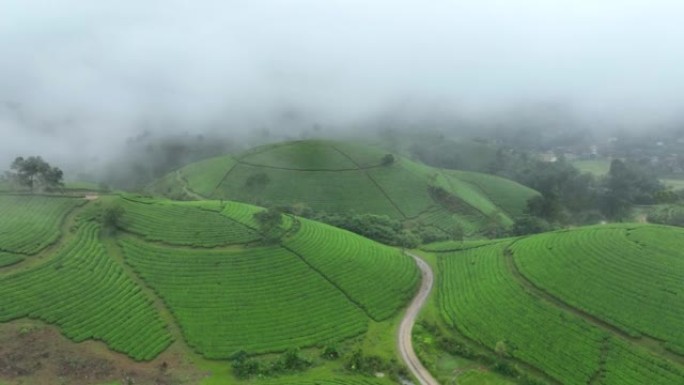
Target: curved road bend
[[405, 342]]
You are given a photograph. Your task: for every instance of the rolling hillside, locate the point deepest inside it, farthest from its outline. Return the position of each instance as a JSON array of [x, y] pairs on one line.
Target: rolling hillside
[[192, 274], [595, 305], [350, 177]]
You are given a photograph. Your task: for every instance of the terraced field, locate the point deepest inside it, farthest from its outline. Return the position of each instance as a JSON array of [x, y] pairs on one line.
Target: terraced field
[[256, 300], [9, 259], [503, 193], [88, 296], [350, 262], [204, 262], [225, 299], [629, 276], [599, 270], [351, 177], [31, 223], [186, 223]]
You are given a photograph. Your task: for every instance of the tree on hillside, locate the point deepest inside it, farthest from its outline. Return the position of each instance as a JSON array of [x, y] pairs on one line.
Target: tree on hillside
[[111, 218], [387, 160], [628, 184], [33, 172], [269, 221]]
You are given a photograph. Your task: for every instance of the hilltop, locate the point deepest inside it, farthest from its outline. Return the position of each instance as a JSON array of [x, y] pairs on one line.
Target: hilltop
[[597, 304], [349, 177]]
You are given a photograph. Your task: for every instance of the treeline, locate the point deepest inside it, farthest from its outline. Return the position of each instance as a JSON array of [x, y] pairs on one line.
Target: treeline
[[570, 197], [293, 361], [379, 228]]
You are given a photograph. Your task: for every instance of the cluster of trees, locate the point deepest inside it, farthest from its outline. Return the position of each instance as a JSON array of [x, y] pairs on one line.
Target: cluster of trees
[[379, 228], [291, 361], [569, 196], [672, 215], [270, 224], [359, 362], [35, 174]]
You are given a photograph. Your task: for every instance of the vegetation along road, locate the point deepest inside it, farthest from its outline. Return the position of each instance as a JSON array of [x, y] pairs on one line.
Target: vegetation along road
[[404, 340]]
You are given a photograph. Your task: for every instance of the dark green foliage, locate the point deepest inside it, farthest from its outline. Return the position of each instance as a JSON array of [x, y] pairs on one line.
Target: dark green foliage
[[380, 228], [572, 197], [111, 217], [672, 215], [530, 224], [387, 160], [330, 352], [506, 369], [33, 172], [269, 222], [358, 362], [291, 361], [547, 207], [628, 184], [244, 367]]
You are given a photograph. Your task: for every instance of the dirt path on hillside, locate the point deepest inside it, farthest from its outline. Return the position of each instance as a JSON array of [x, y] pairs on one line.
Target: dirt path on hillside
[[405, 343], [186, 189]]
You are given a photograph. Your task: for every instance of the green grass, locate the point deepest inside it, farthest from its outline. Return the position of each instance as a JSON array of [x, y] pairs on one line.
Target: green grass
[[675, 184], [598, 167], [184, 223], [31, 223], [88, 296], [631, 277], [480, 297], [349, 177]]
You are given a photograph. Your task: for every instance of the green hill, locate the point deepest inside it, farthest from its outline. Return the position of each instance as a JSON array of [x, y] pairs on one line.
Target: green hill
[[599, 304], [205, 263], [347, 177]]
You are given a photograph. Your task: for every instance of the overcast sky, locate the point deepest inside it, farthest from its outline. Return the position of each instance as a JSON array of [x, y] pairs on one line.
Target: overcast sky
[[84, 74]]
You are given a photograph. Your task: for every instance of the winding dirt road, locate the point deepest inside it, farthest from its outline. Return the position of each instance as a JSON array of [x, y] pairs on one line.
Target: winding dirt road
[[404, 339]]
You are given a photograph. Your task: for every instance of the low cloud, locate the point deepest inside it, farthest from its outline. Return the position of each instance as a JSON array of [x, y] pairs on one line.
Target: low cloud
[[79, 77]]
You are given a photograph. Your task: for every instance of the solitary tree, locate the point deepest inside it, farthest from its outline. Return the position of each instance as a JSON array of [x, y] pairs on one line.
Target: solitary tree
[[111, 218], [387, 160], [34, 172], [269, 222]]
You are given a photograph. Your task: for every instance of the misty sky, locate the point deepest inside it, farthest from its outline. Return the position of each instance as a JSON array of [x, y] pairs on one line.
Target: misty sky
[[84, 75]]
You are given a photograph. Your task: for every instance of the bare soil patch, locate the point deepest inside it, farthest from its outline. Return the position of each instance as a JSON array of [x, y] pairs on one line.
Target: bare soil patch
[[37, 354]]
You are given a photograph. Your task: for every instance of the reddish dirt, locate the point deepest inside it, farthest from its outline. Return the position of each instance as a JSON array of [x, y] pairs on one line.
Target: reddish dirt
[[32, 353]]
